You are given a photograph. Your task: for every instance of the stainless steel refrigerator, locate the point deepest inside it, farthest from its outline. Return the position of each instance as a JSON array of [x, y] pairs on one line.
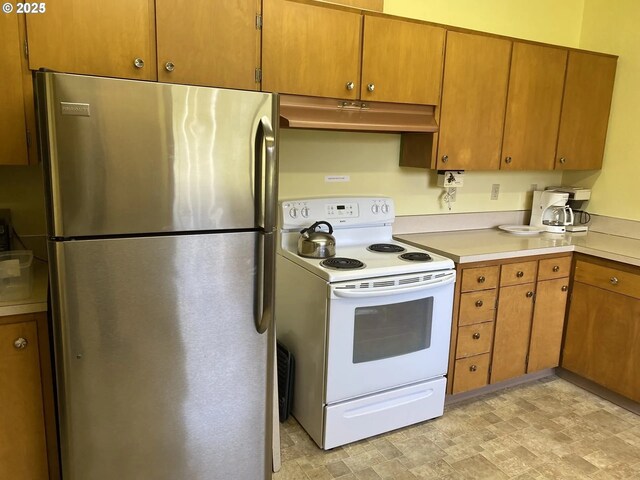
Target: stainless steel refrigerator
[[160, 206]]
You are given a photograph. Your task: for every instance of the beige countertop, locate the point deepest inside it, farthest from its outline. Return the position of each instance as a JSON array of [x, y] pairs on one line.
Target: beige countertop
[[37, 302], [492, 244]]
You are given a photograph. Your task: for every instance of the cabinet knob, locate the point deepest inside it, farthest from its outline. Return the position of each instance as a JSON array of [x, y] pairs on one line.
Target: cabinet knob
[[479, 303], [507, 160], [613, 280], [138, 62], [563, 160], [481, 279], [371, 87], [350, 85], [556, 268], [564, 288], [520, 274], [473, 368], [445, 158], [529, 294], [20, 343], [476, 336], [169, 66]]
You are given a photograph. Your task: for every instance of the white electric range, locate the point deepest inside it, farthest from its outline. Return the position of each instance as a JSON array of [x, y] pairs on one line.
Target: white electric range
[[369, 328]]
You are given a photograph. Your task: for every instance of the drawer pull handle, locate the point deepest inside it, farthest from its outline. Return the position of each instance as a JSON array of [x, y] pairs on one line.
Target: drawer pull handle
[[476, 335], [613, 280], [481, 279], [529, 294], [479, 303], [556, 268], [20, 343], [564, 288], [520, 274], [473, 368]]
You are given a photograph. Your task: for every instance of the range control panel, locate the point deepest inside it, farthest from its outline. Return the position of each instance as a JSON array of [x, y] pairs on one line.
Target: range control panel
[[338, 211]]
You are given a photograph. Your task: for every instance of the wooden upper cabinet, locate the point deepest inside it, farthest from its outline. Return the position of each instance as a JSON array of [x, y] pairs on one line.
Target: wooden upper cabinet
[[310, 50], [204, 42], [474, 95], [401, 61], [13, 147], [585, 111], [115, 38], [536, 82]]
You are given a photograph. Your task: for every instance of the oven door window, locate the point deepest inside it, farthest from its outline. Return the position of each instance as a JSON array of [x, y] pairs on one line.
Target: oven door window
[[385, 331]]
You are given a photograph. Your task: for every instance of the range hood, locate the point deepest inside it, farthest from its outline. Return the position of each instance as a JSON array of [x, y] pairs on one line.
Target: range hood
[[355, 115]]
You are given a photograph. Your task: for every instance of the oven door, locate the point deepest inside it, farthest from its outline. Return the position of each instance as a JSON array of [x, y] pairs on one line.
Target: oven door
[[386, 332]]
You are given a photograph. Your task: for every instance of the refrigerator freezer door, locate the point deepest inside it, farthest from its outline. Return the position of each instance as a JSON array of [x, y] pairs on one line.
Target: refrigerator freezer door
[[126, 157], [161, 372]]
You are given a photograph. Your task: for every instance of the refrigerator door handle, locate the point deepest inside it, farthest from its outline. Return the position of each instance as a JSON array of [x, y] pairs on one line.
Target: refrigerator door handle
[[266, 282], [266, 175]]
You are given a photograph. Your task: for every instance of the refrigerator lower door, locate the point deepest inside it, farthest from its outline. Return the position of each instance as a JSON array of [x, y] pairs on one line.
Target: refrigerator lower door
[[161, 372]]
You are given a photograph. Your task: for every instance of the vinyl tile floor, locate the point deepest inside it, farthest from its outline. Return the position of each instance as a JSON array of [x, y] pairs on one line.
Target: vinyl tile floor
[[546, 429]]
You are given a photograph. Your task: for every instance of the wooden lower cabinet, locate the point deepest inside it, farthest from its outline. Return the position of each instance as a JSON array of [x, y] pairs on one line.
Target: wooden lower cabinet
[[548, 324], [508, 319], [602, 340], [513, 326], [27, 432], [471, 373]]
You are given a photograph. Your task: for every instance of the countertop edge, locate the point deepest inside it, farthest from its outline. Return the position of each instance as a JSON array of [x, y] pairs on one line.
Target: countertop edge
[[611, 254]]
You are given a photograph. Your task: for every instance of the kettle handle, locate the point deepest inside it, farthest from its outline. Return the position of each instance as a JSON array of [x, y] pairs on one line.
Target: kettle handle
[[322, 222], [313, 227]]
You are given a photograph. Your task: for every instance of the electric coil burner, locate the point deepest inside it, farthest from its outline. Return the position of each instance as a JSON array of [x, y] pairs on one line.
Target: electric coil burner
[[416, 257], [342, 263], [385, 248], [369, 328]]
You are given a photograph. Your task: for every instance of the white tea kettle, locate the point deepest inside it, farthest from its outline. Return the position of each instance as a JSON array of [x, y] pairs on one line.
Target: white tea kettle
[[314, 243]]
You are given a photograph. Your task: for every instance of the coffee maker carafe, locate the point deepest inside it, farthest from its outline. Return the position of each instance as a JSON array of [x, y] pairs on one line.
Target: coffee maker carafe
[[550, 211]]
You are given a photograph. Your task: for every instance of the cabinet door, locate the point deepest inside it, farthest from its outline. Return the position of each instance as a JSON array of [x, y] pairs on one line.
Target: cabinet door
[[585, 111], [95, 38], [512, 329], [310, 50], [474, 95], [22, 433], [401, 61], [13, 130], [533, 107], [548, 323], [205, 42], [602, 342]]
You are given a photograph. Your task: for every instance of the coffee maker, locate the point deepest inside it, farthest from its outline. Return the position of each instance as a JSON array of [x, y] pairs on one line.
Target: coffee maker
[[550, 211], [578, 197]]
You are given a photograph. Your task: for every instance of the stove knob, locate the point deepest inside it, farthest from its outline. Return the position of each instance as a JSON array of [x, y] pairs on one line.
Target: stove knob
[[385, 208], [375, 209], [304, 211], [293, 213]]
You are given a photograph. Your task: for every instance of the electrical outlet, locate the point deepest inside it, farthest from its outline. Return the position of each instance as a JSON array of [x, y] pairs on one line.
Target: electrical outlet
[[495, 191], [534, 187]]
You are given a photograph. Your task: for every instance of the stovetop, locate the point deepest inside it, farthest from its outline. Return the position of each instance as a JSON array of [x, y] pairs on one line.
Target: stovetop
[[361, 226]]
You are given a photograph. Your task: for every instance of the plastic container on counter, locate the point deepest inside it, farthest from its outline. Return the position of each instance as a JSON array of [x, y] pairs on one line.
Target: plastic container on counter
[[16, 275]]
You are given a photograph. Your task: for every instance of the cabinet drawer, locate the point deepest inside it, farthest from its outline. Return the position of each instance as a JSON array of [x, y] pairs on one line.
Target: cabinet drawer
[[554, 268], [474, 339], [517, 273], [476, 307], [480, 278], [471, 373], [609, 278]]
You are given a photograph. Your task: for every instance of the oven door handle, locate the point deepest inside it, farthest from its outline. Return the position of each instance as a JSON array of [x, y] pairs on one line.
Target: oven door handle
[[395, 289]]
